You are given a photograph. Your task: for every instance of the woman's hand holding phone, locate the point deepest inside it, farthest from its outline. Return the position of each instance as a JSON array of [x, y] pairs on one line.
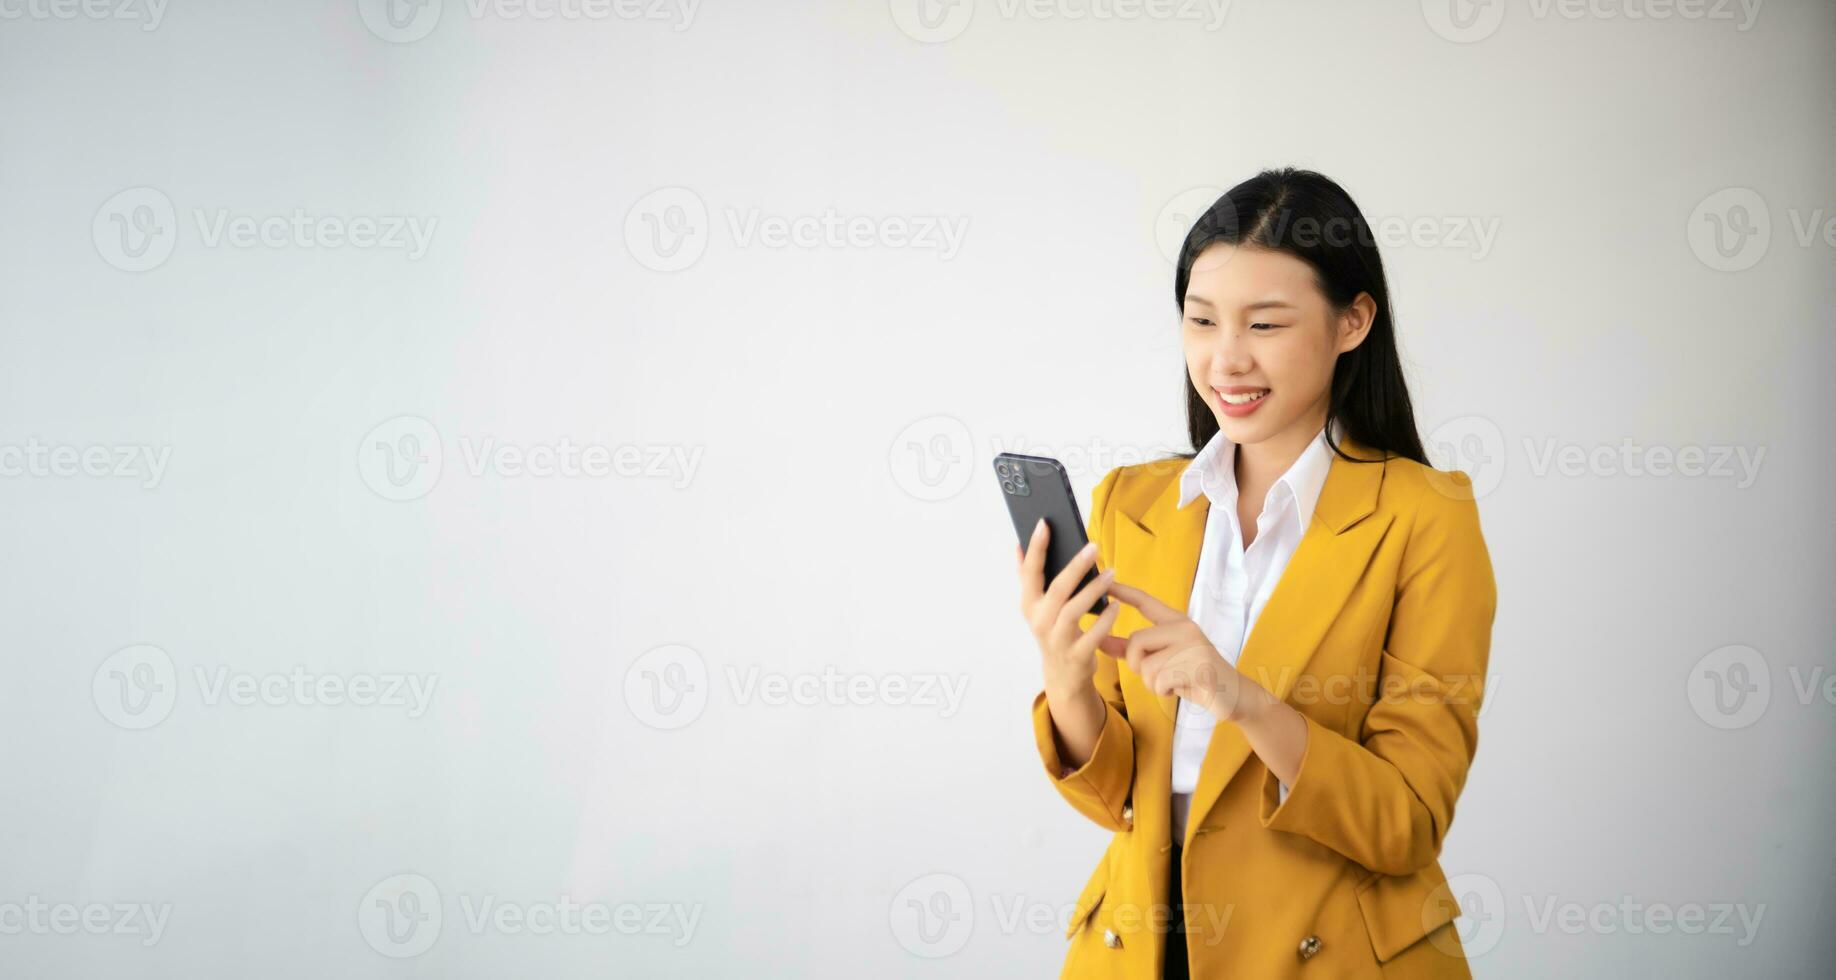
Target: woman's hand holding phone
[[1067, 653], [1172, 656]]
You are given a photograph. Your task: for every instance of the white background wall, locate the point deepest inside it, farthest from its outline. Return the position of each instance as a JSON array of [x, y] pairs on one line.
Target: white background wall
[[825, 413]]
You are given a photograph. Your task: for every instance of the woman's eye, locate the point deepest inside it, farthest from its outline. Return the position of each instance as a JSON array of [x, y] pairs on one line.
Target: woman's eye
[[1264, 326], [1201, 321]]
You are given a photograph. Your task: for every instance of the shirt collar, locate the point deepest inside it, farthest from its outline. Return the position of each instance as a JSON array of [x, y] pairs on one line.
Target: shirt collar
[[1213, 472]]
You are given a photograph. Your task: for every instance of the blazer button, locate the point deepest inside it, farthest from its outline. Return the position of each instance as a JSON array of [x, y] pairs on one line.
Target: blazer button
[[1309, 946], [1112, 940], [1128, 812]]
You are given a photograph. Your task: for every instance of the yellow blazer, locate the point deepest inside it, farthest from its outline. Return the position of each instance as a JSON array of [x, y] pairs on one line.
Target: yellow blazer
[[1378, 633]]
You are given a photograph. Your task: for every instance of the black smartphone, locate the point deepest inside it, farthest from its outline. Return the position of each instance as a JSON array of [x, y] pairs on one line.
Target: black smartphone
[[1036, 487]]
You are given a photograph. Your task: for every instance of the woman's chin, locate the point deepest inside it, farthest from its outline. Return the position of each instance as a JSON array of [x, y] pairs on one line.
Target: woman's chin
[[1241, 431]]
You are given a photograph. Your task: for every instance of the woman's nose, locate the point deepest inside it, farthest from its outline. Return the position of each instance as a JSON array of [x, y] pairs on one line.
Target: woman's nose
[[1231, 354]]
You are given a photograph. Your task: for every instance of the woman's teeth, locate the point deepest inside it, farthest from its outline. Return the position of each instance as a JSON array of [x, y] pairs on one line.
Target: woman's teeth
[[1244, 399]]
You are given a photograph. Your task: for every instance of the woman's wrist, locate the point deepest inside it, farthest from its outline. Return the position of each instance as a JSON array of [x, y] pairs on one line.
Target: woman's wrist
[[1252, 706], [1078, 717], [1061, 695]]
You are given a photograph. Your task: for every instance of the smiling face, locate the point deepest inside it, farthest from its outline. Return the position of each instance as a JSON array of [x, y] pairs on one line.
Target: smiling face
[[1261, 340]]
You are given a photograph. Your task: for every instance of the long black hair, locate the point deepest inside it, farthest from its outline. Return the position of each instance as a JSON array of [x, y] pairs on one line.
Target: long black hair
[[1310, 217]]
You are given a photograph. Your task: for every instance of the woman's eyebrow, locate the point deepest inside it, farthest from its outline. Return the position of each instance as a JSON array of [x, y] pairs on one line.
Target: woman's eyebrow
[[1267, 304]]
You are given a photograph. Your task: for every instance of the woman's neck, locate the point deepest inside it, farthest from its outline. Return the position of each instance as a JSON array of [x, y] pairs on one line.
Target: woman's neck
[[1260, 464]]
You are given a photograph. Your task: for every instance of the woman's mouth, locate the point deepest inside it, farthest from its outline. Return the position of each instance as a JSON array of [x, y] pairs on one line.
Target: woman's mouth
[[1237, 402]]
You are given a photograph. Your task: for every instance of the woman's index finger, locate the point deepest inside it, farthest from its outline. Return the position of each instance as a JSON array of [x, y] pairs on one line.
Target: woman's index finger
[[1155, 610]]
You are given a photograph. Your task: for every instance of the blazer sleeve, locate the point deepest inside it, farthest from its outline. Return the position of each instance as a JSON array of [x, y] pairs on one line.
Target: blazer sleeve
[[1099, 789], [1386, 799]]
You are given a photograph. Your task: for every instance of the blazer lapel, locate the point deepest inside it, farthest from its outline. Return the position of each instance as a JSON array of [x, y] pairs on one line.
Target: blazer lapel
[[1162, 549], [1333, 552]]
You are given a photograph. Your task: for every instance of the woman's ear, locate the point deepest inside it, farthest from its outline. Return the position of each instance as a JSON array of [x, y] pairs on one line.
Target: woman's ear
[[1355, 322]]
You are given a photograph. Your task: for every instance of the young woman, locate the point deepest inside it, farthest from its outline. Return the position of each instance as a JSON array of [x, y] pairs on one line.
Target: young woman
[[1277, 717]]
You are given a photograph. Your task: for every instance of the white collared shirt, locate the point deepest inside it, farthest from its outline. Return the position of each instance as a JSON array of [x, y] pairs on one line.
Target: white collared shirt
[[1232, 584]]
